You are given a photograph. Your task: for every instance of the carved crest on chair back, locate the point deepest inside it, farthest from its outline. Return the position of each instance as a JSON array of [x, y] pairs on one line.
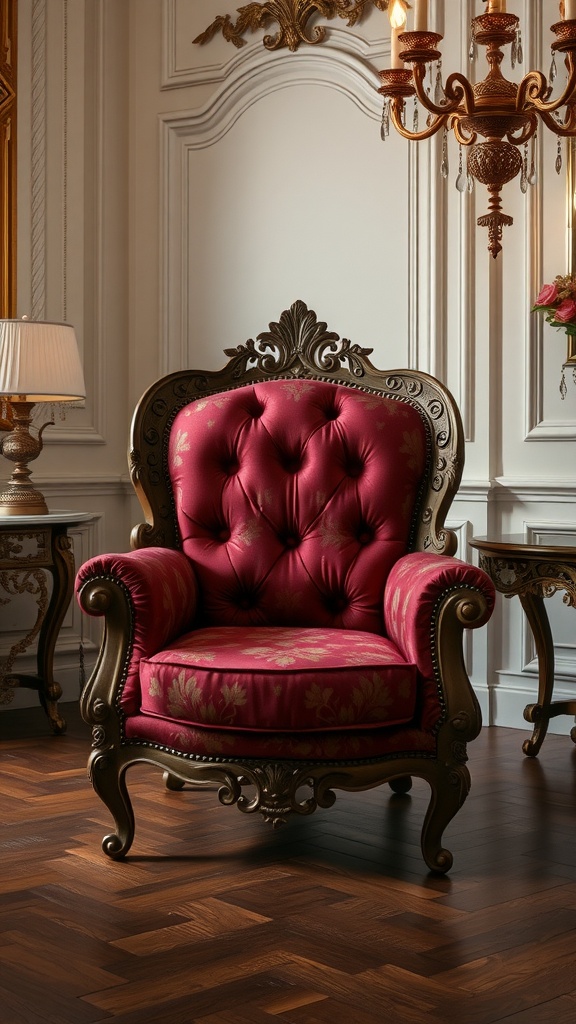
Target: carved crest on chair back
[[297, 346]]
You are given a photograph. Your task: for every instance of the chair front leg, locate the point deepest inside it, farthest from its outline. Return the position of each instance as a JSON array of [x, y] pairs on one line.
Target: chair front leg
[[108, 778], [449, 787]]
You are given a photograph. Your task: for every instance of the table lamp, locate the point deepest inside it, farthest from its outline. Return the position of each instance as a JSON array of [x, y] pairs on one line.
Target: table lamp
[[39, 362]]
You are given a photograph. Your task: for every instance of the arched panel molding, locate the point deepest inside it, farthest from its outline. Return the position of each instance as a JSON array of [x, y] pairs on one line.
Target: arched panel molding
[[216, 62], [183, 132]]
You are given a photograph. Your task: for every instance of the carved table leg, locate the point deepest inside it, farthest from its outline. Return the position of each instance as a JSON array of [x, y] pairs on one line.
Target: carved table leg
[[539, 713], [62, 571]]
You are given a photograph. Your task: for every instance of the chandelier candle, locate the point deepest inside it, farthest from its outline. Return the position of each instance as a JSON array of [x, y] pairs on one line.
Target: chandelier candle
[[397, 23], [421, 15]]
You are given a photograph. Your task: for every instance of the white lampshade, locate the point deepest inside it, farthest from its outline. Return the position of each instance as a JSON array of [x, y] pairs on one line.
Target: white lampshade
[[40, 361]]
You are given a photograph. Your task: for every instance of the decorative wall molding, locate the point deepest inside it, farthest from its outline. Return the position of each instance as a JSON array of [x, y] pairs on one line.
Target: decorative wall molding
[[292, 18], [52, 33], [512, 490], [183, 132], [252, 55], [86, 489], [38, 163], [8, 175], [537, 426], [246, 85]]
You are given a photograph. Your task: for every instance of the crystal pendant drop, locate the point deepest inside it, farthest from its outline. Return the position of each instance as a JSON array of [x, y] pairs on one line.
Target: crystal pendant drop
[[519, 49], [415, 116], [533, 173], [461, 179], [514, 52], [563, 389], [558, 163], [444, 166], [553, 71], [439, 94], [473, 49], [524, 171], [385, 122]]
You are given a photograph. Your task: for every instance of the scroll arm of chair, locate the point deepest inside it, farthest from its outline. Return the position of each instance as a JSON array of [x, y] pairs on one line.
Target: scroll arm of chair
[[429, 600], [147, 598]]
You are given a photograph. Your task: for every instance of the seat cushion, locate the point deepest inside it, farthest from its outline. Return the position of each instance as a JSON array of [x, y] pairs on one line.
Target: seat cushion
[[274, 679]]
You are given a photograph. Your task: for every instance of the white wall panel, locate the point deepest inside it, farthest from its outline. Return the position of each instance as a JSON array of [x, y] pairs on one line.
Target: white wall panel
[[282, 207]]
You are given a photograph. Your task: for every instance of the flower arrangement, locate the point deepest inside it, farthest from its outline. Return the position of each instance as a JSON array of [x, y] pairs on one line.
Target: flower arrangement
[[558, 302]]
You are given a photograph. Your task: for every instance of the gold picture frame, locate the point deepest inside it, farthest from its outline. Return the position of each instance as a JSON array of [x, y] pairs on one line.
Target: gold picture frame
[[8, 57]]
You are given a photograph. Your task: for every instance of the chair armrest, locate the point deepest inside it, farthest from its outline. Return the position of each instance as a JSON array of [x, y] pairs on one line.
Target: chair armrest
[[429, 601], [147, 597], [417, 585]]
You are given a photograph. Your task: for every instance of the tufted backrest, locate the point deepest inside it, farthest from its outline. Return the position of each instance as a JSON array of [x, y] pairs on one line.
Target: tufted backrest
[[294, 498]]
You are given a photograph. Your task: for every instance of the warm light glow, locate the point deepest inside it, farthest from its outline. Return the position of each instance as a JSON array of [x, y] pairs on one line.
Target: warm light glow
[[397, 14]]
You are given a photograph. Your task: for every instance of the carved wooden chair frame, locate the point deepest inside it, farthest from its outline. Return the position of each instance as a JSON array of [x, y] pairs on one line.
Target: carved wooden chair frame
[[298, 346]]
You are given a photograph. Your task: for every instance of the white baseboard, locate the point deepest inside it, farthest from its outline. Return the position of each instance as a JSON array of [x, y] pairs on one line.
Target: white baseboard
[[507, 703]]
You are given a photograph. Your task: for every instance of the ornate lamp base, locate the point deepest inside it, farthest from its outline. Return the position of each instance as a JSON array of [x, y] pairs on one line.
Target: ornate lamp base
[[20, 498], [22, 501]]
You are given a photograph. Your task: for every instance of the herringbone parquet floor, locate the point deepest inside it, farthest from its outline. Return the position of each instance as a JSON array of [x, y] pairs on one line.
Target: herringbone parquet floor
[[216, 919]]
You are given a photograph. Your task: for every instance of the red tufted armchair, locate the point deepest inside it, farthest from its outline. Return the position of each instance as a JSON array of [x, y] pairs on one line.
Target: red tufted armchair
[[291, 614]]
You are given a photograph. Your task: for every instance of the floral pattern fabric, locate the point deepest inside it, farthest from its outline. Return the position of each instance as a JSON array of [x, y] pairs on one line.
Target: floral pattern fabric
[[287, 679], [293, 623], [163, 593], [416, 584]]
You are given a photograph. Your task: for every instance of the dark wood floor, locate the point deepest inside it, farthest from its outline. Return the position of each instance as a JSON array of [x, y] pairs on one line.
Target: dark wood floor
[[216, 919]]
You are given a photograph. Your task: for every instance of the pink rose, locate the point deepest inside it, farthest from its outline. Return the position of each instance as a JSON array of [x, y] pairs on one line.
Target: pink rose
[[566, 312], [547, 296]]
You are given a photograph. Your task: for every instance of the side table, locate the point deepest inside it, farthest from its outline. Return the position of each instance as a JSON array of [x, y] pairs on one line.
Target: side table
[[31, 547], [534, 571]]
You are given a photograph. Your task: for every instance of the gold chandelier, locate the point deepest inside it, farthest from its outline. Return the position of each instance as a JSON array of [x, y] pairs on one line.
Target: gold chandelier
[[503, 114]]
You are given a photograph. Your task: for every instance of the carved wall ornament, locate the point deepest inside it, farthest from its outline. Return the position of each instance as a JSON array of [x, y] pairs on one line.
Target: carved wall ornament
[[292, 17]]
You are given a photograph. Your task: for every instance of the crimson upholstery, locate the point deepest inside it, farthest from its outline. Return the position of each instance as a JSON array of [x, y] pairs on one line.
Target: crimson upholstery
[[290, 601], [279, 495], [275, 679], [294, 617]]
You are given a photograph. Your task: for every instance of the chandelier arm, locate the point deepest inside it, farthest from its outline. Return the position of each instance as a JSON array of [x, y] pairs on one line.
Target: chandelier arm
[[456, 90], [396, 111], [565, 129], [534, 87], [462, 137], [527, 132]]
